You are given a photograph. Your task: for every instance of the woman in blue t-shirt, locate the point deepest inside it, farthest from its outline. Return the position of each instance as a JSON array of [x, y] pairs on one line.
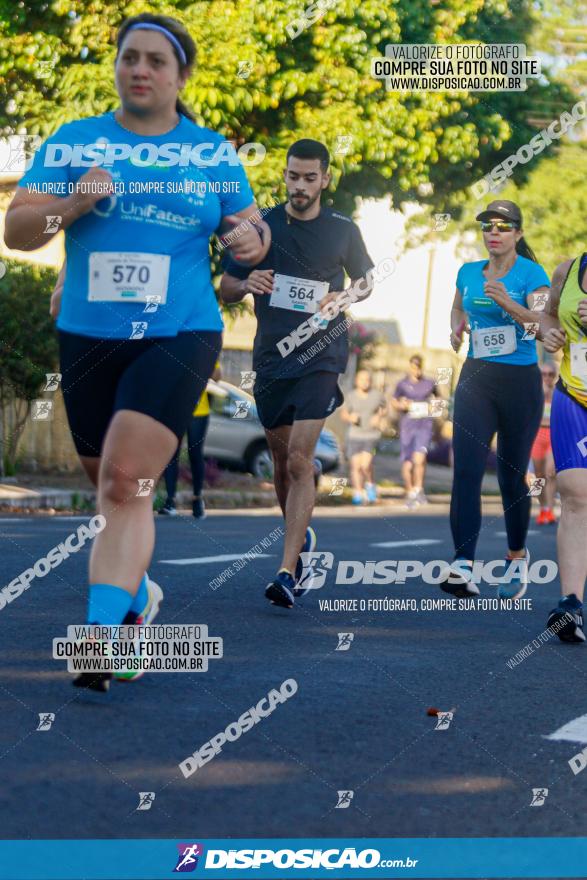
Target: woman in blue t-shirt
[[139, 191], [497, 301]]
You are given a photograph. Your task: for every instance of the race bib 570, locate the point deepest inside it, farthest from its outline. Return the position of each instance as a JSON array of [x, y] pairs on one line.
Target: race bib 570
[[128, 277]]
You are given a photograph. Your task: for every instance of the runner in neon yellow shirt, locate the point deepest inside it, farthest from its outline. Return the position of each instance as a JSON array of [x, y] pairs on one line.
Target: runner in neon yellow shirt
[[564, 325]]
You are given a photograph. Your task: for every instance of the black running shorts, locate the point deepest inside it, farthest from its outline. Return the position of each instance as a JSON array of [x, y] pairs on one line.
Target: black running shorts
[[162, 378], [283, 401]]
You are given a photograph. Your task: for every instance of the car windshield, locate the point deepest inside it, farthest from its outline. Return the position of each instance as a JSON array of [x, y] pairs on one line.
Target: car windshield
[[224, 399]]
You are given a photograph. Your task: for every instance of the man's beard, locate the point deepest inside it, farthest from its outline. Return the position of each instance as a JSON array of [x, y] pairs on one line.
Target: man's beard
[[302, 206]]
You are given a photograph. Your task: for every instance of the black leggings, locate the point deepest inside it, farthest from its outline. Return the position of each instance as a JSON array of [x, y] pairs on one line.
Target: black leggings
[[196, 435], [507, 399]]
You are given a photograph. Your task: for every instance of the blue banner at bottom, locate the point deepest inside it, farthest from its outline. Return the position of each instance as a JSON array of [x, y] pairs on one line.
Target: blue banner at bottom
[[273, 859]]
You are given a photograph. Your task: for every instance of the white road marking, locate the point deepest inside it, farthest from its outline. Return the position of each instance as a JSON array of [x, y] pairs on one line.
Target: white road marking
[[529, 532], [226, 557], [421, 543], [574, 731], [37, 519], [72, 518]]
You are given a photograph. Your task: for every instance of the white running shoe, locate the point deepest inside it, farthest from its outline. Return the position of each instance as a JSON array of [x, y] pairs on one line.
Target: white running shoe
[[412, 499]]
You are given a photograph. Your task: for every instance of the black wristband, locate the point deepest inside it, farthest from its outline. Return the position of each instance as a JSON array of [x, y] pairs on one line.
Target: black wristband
[[260, 231]]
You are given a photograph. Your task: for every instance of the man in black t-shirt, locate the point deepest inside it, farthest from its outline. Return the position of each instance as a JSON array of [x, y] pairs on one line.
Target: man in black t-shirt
[[301, 344]]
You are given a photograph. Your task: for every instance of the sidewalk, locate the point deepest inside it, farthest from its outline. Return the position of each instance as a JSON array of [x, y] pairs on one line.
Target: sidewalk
[[50, 499], [25, 500], [438, 478], [74, 493]]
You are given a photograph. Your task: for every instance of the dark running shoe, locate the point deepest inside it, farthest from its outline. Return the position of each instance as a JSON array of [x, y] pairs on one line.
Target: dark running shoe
[[198, 508], [281, 590], [457, 579], [566, 620], [169, 508], [93, 681]]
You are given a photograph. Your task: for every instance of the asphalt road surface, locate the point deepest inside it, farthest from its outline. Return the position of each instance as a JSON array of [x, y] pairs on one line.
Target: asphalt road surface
[[357, 723]]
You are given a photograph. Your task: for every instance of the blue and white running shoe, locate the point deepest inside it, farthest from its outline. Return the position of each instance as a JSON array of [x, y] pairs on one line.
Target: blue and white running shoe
[[514, 581]]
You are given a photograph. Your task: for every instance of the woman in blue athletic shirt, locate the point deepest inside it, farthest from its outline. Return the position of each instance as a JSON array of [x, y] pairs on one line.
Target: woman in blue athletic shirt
[[498, 302], [138, 192]]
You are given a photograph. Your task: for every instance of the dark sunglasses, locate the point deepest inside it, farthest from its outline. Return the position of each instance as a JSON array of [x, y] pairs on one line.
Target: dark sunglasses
[[548, 373], [500, 225]]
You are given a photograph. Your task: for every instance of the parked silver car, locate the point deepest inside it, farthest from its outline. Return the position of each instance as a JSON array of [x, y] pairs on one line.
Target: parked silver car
[[236, 437]]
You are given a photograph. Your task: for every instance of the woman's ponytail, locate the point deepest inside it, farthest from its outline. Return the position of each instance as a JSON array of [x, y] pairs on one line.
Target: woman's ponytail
[[524, 250]]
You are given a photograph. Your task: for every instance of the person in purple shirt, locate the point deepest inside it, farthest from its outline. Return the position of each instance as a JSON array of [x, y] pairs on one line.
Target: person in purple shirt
[[411, 398]]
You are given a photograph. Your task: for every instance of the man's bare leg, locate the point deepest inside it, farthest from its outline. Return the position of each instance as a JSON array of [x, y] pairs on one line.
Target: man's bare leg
[[278, 442], [407, 476], [369, 470], [357, 475], [302, 490], [419, 461]]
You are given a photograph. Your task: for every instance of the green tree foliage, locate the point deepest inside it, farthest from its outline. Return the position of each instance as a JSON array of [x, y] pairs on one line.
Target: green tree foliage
[[549, 188], [553, 202], [28, 345], [554, 205], [56, 64], [562, 31]]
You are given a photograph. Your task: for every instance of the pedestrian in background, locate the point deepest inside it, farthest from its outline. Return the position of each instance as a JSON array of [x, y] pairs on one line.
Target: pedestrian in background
[[412, 399], [196, 434], [363, 410], [542, 457]]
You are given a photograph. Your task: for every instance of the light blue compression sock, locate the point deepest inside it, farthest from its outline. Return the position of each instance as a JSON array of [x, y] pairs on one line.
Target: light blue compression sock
[[140, 600], [108, 604]]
